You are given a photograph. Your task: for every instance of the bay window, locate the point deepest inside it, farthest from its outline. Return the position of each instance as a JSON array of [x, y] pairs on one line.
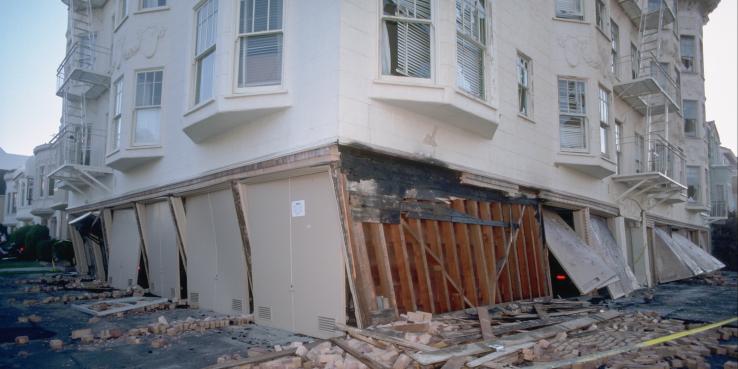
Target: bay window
[[207, 25], [572, 114], [687, 49], [148, 107], [471, 45], [260, 43], [570, 9], [406, 38]]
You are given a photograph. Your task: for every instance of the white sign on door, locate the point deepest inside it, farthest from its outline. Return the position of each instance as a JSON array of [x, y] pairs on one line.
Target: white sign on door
[[298, 208]]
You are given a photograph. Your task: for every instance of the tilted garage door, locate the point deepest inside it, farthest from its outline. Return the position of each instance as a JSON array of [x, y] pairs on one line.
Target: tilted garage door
[[161, 242], [125, 250]]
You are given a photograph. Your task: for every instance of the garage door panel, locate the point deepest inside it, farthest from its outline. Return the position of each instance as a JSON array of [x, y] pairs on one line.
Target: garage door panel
[[163, 251], [317, 254], [232, 284], [202, 262], [268, 219], [125, 246]]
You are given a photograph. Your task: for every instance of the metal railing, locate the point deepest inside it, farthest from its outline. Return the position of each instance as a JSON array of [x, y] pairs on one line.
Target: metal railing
[[82, 55], [638, 154], [73, 146], [647, 66], [718, 209]]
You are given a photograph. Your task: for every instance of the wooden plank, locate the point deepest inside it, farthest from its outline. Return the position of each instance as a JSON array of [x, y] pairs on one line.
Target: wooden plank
[[140, 211], [365, 283], [421, 265], [99, 262], [386, 338], [510, 257], [344, 213], [434, 239], [532, 243], [538, 231], [497, 355], [80, 257], [403, 267], [366, 360], [541, 311], [475, 348], [383, 264], [504, 279], [480, 260], [465, 256], [484, 322], [452, 263], [521, 255], [238, 202], [106, 215], [456, 362], [489, 250]]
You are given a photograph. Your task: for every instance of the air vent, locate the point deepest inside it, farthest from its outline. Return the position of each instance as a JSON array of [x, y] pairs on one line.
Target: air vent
[[194, 297], [264, 312], [326, 324], [237, 305], [130, 282]]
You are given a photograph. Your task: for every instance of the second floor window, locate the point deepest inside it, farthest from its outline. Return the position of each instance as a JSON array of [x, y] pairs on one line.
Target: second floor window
[[524, 90], [406, 38], [570, 9], [148, 107], [117, 114], [260, 43], [600, 14], [693, 184], [686, 45], [604, 96], [147, 4], [690, 117], [572, 114], [615, 48], [207, 26], [470, 45]]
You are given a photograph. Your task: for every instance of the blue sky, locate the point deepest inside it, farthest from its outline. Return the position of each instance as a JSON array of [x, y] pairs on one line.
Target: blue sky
[[32, 45]]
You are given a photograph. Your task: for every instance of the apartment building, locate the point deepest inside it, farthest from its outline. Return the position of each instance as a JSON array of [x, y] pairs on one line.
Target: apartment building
[[8, 164], [347, 161], [723, 176]]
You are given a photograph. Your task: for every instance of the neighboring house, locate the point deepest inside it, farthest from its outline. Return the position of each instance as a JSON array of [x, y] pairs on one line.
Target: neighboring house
[[321, 161], [723, 171], [8, 164]]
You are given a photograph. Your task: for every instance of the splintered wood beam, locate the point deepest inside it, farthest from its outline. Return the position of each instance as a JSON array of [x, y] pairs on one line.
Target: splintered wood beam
[[421, 265], [489, 249], [513, 266], [140, 211], [521, 254], [363, 267], [465, 255], [403, 267], [434, 238], [534, 252], [383, 263], [238, 202], [436, 259], [480, 260], [452, 264]]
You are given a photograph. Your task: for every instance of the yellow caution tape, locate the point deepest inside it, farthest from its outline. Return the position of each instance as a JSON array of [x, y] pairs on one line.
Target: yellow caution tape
[[688, 332]]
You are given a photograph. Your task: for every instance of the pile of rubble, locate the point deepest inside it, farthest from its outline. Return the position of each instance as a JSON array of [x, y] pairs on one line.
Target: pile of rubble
[[715, 279], [136, 291]]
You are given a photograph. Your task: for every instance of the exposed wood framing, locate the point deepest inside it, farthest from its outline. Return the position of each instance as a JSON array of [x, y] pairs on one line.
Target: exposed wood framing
[[140, 211], [99, 261], [106, 217], [238, 197], [79, 251]]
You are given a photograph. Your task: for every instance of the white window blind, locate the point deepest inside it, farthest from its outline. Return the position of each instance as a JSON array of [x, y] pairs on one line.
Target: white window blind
[[470, 45], [146, 4], [523, 73], [571, 114], [406, 38], [148, 107], [207, 26], [687, 49], [569, 9], [260, 43]]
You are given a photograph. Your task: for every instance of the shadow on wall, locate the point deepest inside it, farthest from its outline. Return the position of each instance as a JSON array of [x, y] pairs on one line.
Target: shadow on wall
[[725, 242]]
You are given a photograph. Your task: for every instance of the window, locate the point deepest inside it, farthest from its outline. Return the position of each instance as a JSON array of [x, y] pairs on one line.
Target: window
[[690, 117], [51, 186], [634, 61], [572, 114], [687, 49], [406, 38], [604, 97], [122, 10], [600, 14], [42, 182], [148, 107], [569, 9], [117, 113], [524, 85], [702, 61], [260, 43], [640, 157], [470, 46], [615, 48], [693, 184], [29, 196], [207, 25], [619, 146], [147, 4]]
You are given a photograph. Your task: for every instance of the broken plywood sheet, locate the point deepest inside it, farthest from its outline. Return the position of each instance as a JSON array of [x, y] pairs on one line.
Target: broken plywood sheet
[[125, 248], [605, 245], [586, 268], [107, 307], [706, 261], [670, 262]]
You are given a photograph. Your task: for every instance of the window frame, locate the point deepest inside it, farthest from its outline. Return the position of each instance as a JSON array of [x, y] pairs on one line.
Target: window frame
[[122, 11], [138, 108], [484, 49], [116, 122], [615, 48], [574, 114], [604, 119], [618, 136], [693, 58], [199, 58], [577, 18], [693, 133], [141, 6], [237, 41], [601, 15], [698, 190], [431, 22], [528, 67]]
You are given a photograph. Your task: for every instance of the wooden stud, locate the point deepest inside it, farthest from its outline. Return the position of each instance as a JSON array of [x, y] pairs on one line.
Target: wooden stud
[[383, 264], [425, 289], [140, 211], [403, 265], [521, 254], [452, 263], [434, 238], [510, 257], [480, 260], [364, 276], [489, 250], [240, 205], [465, 255], [504, 278], [534, 252]]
